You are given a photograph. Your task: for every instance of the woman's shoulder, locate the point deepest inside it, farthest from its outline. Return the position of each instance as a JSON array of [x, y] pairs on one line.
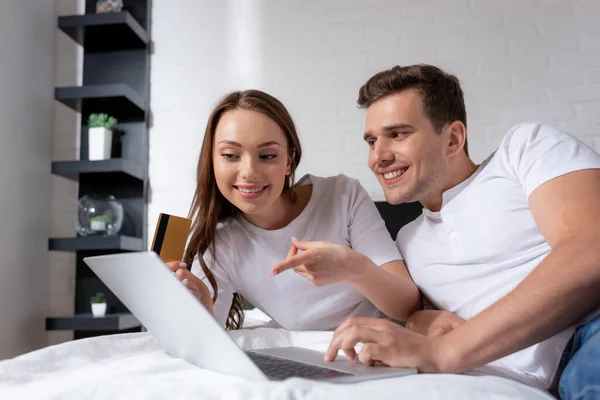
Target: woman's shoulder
[[337, 191], [225, 225], [339, 183], [222, 243], [223, 236]]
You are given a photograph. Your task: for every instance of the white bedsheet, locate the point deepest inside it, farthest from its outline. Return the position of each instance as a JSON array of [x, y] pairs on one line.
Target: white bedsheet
[[134, 366]]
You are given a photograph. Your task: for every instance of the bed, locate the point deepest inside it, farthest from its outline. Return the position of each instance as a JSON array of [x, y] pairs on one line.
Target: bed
[[135, 366]]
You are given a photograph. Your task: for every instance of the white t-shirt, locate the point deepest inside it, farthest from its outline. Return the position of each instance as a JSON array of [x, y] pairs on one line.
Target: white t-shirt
[[339, 211], [484, 240]]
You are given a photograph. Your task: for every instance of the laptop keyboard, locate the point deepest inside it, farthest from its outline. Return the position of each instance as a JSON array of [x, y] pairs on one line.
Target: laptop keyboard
[[279, 368]]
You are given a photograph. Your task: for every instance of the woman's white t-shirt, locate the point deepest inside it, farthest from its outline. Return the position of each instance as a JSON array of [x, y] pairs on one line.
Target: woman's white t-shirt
[[339, 211]]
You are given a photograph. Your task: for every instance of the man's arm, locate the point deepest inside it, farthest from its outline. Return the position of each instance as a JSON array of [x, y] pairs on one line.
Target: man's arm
[[561, 291]]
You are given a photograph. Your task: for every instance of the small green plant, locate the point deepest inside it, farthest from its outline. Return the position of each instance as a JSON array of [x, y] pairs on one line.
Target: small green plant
[[98, 298], [101, 121], [101, 218]]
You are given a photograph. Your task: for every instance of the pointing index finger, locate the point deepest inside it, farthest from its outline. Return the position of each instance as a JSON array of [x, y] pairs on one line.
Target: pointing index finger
[[292, 262], [293, 251]]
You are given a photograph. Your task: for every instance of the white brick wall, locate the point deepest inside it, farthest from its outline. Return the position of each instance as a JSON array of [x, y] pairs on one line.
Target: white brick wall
[[518, 60]]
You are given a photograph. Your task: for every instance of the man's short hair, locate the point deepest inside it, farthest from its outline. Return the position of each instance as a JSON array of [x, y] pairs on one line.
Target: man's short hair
[[440, 92]]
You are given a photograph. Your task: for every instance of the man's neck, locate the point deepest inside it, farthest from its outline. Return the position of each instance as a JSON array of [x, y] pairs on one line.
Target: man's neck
[[457, 174]]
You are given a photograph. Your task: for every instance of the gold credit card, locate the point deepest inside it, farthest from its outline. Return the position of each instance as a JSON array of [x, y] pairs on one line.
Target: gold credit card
[[170, 237]]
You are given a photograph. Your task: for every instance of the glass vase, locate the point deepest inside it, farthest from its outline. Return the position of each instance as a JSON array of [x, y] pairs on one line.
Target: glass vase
[[99, 215]]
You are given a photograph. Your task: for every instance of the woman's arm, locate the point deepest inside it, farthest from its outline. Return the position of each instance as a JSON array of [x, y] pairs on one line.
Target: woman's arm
[[193, 283], [381, 276], [388, 287], [220, 308]]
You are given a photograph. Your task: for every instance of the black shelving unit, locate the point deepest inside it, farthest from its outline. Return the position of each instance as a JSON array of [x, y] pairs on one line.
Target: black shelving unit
[[116, 81], [74, 169], [90, 31], [91, 243], [116, 99], [89, 323]]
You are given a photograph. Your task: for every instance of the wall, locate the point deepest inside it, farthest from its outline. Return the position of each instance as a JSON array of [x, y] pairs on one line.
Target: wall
[[68, 72], [26, 90], [517, 59]]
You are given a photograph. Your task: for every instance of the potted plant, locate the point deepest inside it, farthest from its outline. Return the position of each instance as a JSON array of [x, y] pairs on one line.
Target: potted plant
[[105, 6], [98, 305], [99, 222], [100, 136]]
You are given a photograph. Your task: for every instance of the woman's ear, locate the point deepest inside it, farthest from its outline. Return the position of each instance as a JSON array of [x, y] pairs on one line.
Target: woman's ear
[[457, 137]]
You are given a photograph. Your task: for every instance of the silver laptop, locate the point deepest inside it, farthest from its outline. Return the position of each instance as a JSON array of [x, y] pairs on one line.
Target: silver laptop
[[182, 325]]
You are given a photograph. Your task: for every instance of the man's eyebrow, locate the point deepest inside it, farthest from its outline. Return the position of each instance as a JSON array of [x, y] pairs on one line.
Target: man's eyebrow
[[369, 134], [398, 126]]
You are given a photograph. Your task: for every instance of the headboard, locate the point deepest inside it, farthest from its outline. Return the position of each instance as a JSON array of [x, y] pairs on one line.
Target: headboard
[[396, 216]]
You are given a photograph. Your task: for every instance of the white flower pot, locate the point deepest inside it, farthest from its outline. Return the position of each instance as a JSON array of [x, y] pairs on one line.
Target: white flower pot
[[99, 143], [98, 309]]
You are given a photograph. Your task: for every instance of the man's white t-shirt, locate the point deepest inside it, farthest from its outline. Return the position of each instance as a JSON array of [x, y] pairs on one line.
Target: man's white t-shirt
[[484, 240], [339, 211]]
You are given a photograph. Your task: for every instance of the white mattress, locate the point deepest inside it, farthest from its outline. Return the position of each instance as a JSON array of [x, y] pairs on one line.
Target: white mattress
[[134, 366]]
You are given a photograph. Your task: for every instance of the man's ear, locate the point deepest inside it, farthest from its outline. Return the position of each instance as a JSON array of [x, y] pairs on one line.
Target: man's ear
[[457, 137]]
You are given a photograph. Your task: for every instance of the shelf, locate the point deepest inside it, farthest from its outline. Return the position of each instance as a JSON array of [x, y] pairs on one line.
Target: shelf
[[116, 99], [105, 32], [73, 169], [87, 322], [83, 243]]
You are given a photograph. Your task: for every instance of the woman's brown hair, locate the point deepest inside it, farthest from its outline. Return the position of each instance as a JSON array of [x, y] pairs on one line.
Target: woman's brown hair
[[209, 206]]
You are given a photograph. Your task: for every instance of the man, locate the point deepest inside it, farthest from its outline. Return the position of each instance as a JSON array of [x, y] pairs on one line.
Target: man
[[509, 250]]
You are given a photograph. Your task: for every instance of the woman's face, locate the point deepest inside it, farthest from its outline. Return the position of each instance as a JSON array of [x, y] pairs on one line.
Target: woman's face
[[251, 161]]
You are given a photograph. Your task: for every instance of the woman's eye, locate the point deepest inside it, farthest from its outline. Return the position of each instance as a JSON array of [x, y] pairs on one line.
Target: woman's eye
[[230, 157], [268, 156]]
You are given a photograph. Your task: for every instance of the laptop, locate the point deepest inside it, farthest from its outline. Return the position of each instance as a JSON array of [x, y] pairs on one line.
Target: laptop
[[183, 326]]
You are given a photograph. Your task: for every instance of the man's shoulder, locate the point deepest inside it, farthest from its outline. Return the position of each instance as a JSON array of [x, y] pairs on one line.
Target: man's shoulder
[[527, 136], [534, 153]]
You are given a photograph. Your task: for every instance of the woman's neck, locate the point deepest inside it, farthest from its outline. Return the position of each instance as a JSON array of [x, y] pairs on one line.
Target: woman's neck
[[283, 211]]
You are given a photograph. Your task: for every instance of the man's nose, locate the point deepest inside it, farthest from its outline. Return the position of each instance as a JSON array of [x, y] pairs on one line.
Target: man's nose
[[382, 154]]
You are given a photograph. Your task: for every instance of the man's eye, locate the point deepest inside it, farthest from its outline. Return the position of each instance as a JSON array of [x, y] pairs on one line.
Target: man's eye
[[397, 134]]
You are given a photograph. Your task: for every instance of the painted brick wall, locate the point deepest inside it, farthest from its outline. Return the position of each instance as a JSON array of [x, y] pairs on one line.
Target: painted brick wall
[[517, 59]]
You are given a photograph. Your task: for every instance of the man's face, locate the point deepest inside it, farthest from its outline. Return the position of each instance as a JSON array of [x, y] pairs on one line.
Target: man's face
[[406, 154]]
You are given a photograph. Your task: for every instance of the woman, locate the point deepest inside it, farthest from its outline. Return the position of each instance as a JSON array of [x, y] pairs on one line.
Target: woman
[[247, 209]]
